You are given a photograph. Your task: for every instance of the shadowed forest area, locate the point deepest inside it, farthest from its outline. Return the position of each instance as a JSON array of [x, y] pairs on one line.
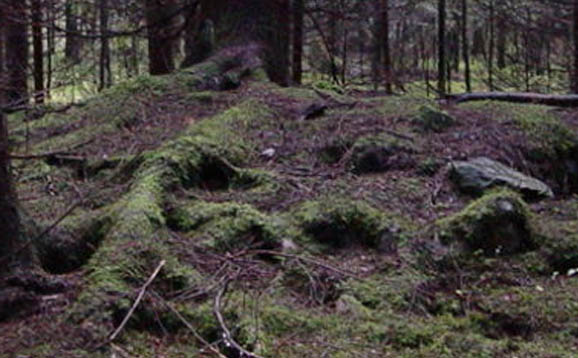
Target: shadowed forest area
[[289, 178]]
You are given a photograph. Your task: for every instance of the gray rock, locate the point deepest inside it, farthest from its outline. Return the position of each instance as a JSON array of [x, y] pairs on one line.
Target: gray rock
[[477, 175]]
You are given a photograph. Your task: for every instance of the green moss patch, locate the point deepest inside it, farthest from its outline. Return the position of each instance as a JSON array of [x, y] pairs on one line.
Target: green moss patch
[[230, 226], [342, 223], [497, 223], [431, 119], [380, 153]]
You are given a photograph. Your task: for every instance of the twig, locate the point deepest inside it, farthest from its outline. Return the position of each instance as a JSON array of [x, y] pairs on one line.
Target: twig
[[226, 332], [38, 156], [310, 260], [190, 327], [137, 301]]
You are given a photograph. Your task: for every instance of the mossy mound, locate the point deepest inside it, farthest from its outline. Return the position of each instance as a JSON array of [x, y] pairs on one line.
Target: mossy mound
[[497, 223], [380, 153], [229, 227], [431, 119], [342, 223], [136, 239], [551, 145]]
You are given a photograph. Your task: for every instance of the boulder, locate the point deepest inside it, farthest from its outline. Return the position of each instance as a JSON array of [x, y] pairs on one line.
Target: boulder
[[499, 223], [477, 175], [380, 153], [431, 119]]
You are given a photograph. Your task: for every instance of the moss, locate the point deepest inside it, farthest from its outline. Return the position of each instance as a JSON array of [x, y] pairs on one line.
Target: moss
[[230, 226], [429, 166], [343, 223], [551, 144], [381, 152], [386, 292], [135, 241], [432, 119], [497, 223]]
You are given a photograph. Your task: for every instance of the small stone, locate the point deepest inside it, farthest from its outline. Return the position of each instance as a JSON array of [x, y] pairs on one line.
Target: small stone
[[268, 153]]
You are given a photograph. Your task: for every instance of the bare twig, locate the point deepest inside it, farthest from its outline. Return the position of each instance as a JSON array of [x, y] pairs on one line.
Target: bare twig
[[309, 260], [137, 301], [190, 327], [226, 332]]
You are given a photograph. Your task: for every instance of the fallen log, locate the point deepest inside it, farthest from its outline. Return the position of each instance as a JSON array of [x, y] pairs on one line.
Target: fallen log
[[570, 100]]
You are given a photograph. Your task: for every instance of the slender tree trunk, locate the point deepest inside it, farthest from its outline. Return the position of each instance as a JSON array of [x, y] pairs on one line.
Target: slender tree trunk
[[159, 17], [298, 13], [50, 43], [491, 47], [16, 53], [72, 44], [501, 43], [38, 50], [442, 47], [465, 44], [105, 75], [388, 73], [575, 33]]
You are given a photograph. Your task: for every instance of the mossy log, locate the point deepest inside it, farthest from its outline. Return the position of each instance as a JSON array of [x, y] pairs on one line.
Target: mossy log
[[517, 97]]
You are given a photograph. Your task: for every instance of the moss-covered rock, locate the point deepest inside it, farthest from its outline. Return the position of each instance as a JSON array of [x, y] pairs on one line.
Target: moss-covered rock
[[431, 119], [479, 174], [230, 226], [497, 223], [380, 153], [341, 223]]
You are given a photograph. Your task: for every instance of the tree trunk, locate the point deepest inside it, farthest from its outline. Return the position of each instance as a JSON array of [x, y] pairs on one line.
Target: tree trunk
[[465, 43], [105, 75], [161, 34], [501, 43], [441, 46], [278, 29], [16, 52], [298, 13], [491, 47], [72, 43], [387, 70], [575, 33], [38, 50]]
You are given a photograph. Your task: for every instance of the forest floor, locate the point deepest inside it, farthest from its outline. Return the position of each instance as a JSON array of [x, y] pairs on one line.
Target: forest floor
[[283, 234]]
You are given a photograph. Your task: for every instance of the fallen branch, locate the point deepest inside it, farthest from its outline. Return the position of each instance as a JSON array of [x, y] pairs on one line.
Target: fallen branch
[[309, 260], [517, 97], [190, 327], [228, 337], [137, 301]]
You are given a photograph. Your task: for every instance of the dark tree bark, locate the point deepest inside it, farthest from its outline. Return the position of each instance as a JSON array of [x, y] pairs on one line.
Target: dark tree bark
[[491, 46], [298, 14], [386, 53], [441, 46], [72, 41], [160, 17], [105, 74], [465, 46], [277, 43], [16, 52], [10, 235], [38, 50], [50, 42], [199, 34], [574, 80], [11, 240], [501, 43]]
